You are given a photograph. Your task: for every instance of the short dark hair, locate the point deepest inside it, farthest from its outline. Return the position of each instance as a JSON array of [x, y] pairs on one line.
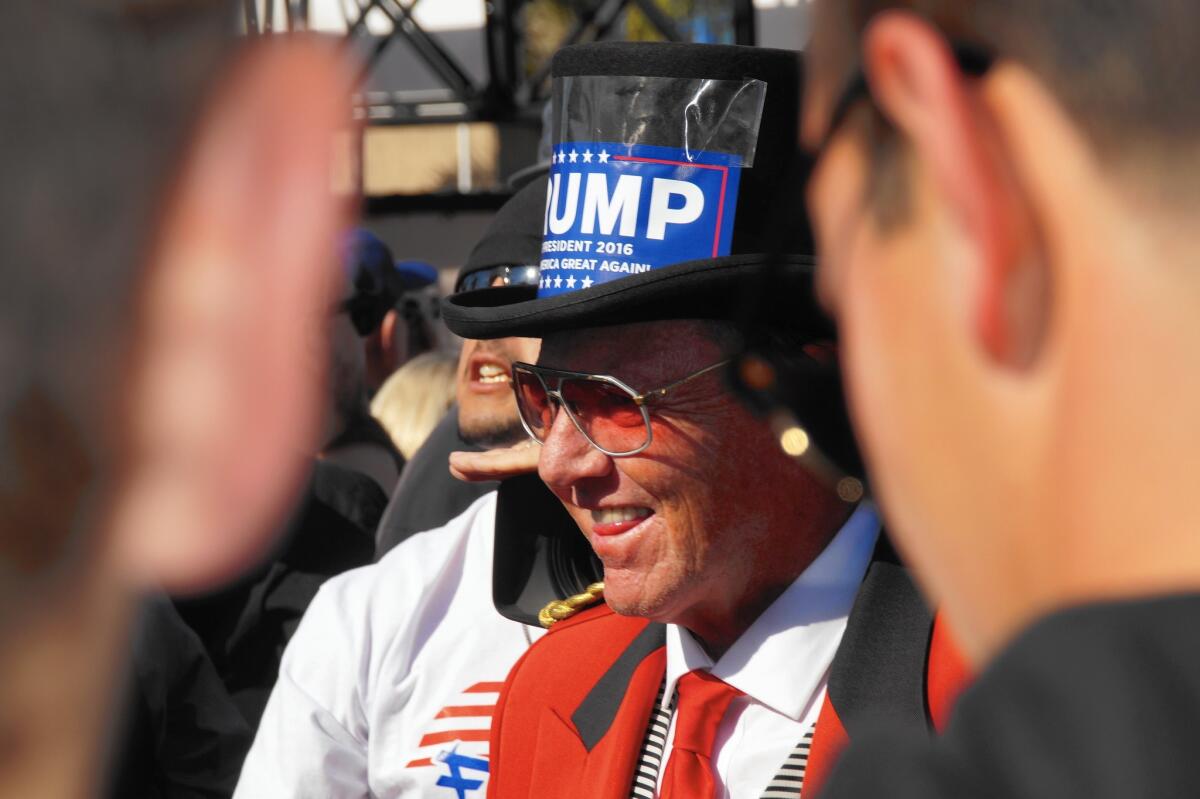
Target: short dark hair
[[96, 97], [789, 336], [1125, 71]]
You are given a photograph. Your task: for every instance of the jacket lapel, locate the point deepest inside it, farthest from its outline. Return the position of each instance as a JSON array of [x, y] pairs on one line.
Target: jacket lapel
[[610, 723], [878, 674]]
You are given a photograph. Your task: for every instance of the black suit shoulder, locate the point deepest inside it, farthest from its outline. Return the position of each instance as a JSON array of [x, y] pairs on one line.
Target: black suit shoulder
[[1099, 701]]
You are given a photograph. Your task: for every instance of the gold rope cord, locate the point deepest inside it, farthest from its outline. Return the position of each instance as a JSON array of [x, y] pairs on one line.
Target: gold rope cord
[[561, 609]]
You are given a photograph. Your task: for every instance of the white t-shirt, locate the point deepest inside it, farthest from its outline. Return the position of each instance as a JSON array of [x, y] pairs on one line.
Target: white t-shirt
[[388, 686]]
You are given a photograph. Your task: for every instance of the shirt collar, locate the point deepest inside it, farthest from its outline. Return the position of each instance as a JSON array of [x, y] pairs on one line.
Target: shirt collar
[[797, 635]]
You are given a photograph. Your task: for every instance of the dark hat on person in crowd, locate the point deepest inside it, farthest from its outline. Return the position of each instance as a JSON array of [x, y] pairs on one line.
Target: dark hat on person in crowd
[[375, 281], [411, 275], [503, 266], [675, 185]]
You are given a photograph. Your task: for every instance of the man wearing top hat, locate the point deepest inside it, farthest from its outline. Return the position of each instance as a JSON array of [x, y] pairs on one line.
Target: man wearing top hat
[[745, 592]]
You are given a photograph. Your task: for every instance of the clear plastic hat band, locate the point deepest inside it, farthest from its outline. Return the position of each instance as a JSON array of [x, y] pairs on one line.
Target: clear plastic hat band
[[644, 174]]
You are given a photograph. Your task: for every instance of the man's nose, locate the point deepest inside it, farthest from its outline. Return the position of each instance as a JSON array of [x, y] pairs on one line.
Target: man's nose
[[567, 456]]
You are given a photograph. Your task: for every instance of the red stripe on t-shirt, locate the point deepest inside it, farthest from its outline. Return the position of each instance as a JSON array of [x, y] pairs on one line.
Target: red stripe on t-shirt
[[454, 735], [419, 762], [465, 710], [485, 688]]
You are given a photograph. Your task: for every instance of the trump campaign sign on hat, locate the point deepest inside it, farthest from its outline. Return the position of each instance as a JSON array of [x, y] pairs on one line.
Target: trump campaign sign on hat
[[668, 189]]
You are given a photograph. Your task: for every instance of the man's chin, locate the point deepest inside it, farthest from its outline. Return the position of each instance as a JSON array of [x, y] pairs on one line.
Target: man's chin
[[490, 433], [628, 601]]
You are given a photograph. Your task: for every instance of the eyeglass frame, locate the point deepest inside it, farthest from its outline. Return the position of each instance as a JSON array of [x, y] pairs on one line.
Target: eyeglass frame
[[640, 399]]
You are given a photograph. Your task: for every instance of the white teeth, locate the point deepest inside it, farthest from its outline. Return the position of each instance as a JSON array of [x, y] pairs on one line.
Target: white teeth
[[491, 373], [614, 515]]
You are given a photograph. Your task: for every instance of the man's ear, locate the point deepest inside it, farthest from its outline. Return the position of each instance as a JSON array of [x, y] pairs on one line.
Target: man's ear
[[387, 335], [947, 122], [223, 403]]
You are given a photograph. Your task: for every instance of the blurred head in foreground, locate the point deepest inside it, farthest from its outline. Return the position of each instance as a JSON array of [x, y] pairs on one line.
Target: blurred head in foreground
[[157, 407], [1005, 210]]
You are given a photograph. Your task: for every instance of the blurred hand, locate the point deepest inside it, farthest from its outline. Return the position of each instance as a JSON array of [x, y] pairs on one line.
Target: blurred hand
[[496, 464]]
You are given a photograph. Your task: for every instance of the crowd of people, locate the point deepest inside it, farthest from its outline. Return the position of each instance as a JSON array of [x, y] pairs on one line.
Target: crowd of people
[[819, 426]]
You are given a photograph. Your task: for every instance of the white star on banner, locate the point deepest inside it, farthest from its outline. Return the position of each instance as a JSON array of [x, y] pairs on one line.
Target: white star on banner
[[587, 282], [571, 282], [587, 156], [574, 157], [558, 282], [603, 156]]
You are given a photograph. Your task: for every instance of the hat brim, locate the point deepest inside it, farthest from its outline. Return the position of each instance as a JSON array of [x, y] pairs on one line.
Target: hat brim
[[735, 287]]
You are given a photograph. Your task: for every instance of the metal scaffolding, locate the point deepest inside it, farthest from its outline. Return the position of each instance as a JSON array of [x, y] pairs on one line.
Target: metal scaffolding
[[510, 91]]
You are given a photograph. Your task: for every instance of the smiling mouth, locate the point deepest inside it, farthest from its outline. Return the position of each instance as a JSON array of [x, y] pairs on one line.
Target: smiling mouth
[[614, 521], [492, 374]]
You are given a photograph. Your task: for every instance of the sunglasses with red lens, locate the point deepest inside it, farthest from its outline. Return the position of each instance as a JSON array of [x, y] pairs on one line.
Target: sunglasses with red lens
[[612, 415]]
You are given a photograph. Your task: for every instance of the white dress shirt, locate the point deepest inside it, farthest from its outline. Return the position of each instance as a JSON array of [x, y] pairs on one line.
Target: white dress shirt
[[780, 664]]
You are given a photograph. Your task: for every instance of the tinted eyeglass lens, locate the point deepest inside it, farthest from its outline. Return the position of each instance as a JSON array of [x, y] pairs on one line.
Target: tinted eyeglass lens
[[608, 415], [535, 406]]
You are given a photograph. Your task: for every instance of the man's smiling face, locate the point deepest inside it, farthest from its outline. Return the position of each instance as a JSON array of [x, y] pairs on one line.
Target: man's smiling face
[[687, 522]]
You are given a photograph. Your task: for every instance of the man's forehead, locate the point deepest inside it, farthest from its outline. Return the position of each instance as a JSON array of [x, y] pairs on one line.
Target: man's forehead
[[642, 347]]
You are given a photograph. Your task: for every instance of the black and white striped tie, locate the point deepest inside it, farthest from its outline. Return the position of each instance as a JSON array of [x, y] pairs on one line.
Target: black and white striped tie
[[788, 783], [645, 779]]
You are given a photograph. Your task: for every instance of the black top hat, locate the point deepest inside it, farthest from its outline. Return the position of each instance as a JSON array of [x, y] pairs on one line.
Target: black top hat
[[676, 185]]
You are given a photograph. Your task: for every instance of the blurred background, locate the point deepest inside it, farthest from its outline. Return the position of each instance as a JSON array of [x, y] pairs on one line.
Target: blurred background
[[452, 94]]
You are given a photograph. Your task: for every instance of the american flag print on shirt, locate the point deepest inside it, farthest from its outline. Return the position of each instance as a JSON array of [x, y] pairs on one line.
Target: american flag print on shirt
[[455, 741]]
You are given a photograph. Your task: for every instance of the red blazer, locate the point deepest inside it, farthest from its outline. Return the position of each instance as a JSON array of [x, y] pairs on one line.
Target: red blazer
[[573, 713]]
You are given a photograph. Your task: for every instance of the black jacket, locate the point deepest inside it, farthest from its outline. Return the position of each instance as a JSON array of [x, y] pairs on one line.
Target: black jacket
[[1096, 702], [246, 625], [182, 737]]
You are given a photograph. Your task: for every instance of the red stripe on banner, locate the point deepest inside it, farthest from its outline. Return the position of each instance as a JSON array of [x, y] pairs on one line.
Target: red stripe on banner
[[720, 213], [485, 688], [455, 735], [465, 710], [420, 763]]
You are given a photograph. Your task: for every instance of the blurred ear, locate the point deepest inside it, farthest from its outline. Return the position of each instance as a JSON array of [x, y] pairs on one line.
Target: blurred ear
[[984, 225], [224, 399]]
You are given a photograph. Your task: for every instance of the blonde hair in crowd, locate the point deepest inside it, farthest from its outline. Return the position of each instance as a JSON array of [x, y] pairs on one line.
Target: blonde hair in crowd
[[413, 400]]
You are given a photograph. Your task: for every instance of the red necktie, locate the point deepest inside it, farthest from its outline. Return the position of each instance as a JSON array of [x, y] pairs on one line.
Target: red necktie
[[703, 700]]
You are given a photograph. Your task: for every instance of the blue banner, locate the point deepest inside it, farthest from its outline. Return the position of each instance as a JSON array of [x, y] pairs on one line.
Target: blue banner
[[616, 210]]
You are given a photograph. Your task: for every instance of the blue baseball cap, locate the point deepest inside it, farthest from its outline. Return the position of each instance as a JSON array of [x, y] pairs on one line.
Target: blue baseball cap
[[415, 274]]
